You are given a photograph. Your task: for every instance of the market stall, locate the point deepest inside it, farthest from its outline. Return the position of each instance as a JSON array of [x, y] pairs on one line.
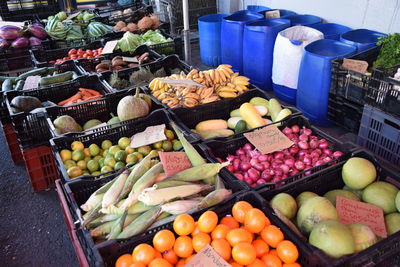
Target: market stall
[[230, 162]]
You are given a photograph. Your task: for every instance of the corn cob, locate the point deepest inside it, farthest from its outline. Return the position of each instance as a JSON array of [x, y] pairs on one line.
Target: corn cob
[[100, 220], [103, 229], [92, 201], [117, 227], [109, 217], [171, 183], [111, 196], [137, 171], [92, 214], [145, 181], [195, 158], [141, 223], [219, 184], [199, 172], [179, 206], [214, 198], [153, 196], [136, 208], [164, 218]]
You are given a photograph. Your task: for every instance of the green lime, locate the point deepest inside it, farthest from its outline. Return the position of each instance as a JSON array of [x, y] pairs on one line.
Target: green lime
[[144, 150], [131, 158], [106, 144], [110, 161], [138, 155], [105, 152], [155, 152], [87, 159], [98, 157], [69, 163], [114, 149], [74, 172], [82, 164], [101, 162], [119, 165], [129, 150], [157, 145], [169, 134], [167, 146], [94, 150], [95, 173], [78, 155], [176, 145], [124, 142], [106, 169], [120, 155], [93, 165]]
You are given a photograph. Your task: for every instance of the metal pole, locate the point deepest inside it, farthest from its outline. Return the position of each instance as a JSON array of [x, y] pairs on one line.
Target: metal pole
[[186, 30]]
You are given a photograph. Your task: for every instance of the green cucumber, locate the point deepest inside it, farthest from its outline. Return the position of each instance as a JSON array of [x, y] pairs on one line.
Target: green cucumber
[[39, 71], [240, 126], [59, 78], [7, 85], [20, 85]]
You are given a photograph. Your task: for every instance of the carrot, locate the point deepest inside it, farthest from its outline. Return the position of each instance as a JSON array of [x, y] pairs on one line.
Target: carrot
[[91, 91], [72, 98], [86, 94], [92, 97]]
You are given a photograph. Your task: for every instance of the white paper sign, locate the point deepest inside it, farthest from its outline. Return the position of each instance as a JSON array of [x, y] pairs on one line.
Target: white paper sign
[[152, 134], [181, 82]]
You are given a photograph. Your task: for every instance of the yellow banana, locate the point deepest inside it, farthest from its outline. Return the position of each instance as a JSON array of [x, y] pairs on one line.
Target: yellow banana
[[151, 84], [227, 94], [222, 75], [225, 66]]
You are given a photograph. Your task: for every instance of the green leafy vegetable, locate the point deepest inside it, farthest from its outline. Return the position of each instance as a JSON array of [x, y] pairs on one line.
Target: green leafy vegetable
[[130, 41], [390, 51]]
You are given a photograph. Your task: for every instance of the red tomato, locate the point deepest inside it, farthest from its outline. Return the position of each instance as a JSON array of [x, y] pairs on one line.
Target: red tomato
[[89, 57], [66, 58], [89, 52], [52, 62], [74, 56], [71, 52], [80, 50]]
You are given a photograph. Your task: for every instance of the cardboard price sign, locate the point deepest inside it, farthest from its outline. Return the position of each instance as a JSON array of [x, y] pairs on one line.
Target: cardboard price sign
[[152, 134], [268, 139], [207, 257], [181, 82], [130, 59], [31, 82], [272, 14], [356, 65], [109, 47], [174, 162], [351, 211]]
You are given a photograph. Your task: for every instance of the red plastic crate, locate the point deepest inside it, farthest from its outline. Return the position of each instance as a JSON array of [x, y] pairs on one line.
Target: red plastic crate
[[70, 223], [12, 142], [41, 167]]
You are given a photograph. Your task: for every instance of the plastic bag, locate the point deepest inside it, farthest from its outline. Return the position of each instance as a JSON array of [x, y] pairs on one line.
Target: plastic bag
[[288, 51]]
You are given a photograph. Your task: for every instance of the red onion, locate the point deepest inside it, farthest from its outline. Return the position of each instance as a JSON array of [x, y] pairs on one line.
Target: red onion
[[243, 157], [312, 137], [230, 168], [245, 166], [319, 162], [337, 154], [239, 176], [295, 129], [290, 136], [303, 137], [285, 168], [253, 174], [323, 143], [303, 145], [240, 152], [319, 151], [253, 161], [307, 160], [248, 146], [313, 143], [260, 181], [327, 159], [236, 164], [259, 167], [263, 158], [230, 157], [314, 154], [254, 153], [299, 165], [220, 160], [294, 171], [278, 172], [286, 152], [279, 155], [266, 164], [287, 131], [266, 175], [327, 152], [289, 162], [294, 149], [307, 131], [248, 180], [308, 173]]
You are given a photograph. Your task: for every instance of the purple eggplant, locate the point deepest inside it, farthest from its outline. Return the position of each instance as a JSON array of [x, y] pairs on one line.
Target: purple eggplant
[[37, 31], [10, 32], [20, 42], [4, 44], [34, 41]]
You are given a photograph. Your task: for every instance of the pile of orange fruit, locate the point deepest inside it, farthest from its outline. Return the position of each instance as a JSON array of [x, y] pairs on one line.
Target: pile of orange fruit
[[247, 238]]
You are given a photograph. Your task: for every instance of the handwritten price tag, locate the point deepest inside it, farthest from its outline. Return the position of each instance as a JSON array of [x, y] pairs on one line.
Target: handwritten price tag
[[152, 134], [181, 82], [130, 59], [31, 82], [351, 211], [272, 14], [109, 47], [174, 162], [356, 65], [268, 139], [207, 257]]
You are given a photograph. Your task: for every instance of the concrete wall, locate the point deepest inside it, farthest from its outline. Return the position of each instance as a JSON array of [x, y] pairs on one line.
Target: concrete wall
[[379, 15]]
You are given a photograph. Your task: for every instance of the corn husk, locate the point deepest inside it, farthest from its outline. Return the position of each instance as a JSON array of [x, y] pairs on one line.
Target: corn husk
[[199, 172], [141, 223], [171, 183], [214, 198], [112, 194], [179, 206]]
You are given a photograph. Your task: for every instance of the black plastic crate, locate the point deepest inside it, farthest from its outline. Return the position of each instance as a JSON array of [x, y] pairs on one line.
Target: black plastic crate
[[219, 149], [383, 253], [14, 63], [99, 109], [380, 133], [32, 128], [384, 90], [168, 63], [172, 47], [19, 10], [345, 113], [127, 128], [188, 118], [349, 84], [88, 66], [42, 57]]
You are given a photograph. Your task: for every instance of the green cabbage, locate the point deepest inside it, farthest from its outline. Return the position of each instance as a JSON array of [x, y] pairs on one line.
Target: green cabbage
[[130, 41]]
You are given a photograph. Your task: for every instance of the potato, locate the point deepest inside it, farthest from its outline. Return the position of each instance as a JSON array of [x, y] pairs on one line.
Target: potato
[[121, 24], [132, 27]]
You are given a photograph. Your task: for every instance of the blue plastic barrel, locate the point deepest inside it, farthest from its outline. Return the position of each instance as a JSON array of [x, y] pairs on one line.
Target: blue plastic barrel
[[210, 38], [303, 20], [232, 37], [362, 38], [284, 12], [315, 77], [331, 30], [258, 48], [256, 8]]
